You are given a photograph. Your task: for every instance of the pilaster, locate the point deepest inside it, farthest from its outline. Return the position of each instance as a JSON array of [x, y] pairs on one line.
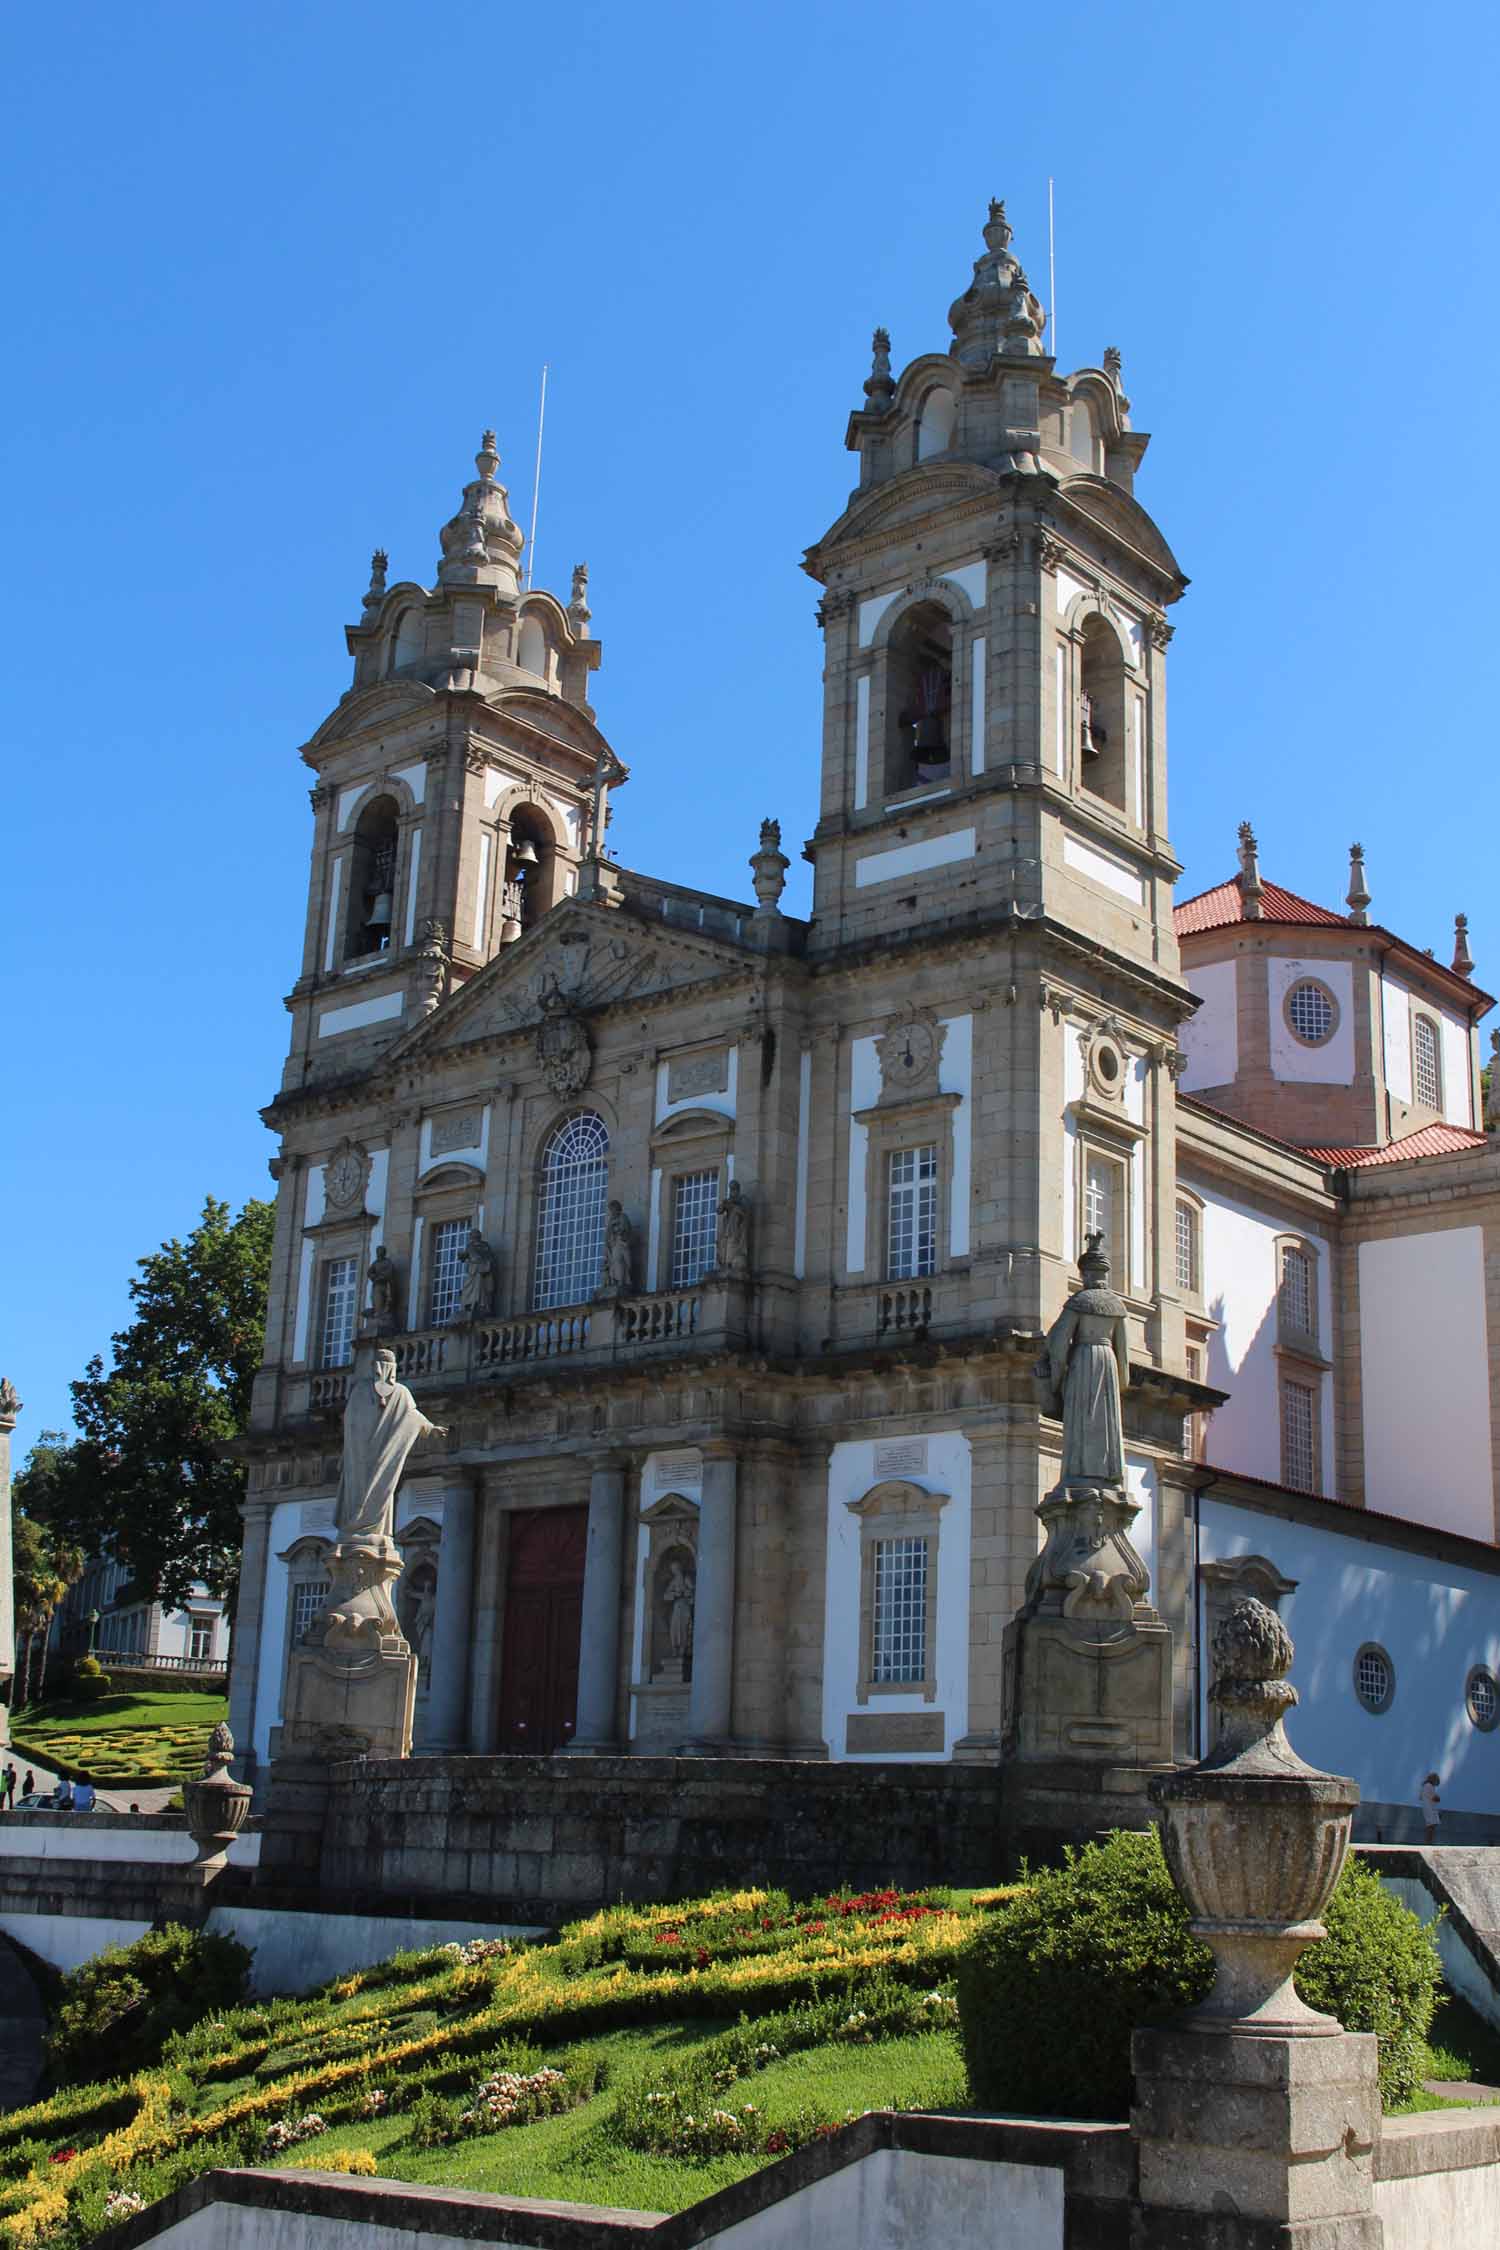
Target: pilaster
[[598, 1727], [453, 1625], [710, 1706]]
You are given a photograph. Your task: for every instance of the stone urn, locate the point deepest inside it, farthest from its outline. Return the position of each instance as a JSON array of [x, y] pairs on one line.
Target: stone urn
[[1255, 1839], [216, 1806]]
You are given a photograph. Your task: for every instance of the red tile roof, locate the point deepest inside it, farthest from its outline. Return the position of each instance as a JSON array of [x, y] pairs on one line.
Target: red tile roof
[[1216, 909], [1430, 1140]]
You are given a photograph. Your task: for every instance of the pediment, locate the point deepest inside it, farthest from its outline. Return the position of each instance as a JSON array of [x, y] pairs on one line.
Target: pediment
[[381, 705], [579, 959], [1116, 512], [938, 484]]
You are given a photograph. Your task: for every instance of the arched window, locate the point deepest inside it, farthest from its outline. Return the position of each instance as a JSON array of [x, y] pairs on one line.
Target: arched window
[[570, 1212], [1101, 728], [1427, 1066], [531, 648], [409, 644], [919, 699], [1189, 1250], [372, 878], [1085, 446], [936, 423]]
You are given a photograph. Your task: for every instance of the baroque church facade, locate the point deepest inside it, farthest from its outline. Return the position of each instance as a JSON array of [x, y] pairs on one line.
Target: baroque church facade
[[722, 1243]]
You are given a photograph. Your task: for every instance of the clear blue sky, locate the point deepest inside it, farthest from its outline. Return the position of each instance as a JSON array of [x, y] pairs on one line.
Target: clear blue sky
[[270, 270]]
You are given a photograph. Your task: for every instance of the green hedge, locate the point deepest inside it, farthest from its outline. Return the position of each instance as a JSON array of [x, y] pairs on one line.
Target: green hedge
[[1052, 1986], [129, 2000]]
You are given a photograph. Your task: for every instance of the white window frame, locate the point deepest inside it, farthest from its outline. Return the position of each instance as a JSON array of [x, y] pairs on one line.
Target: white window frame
[[571, 1212], [1422, 1022], [695, 1222], [336, 1345], [913, 1185], [445, 1274]]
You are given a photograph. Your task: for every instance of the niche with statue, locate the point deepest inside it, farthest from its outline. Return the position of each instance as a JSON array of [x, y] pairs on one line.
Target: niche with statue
[[669, 1590]]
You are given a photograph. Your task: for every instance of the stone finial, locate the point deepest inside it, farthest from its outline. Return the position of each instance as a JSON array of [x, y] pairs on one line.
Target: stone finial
[[768, 868], [1249, 878], [997, 314], [481, 544], [579, 612], [380, 563], [880, 389], [1463, 959], [1252, 1654], [487, 460], [998, 231], [1492, 1092], [1357, 897], [10, 1404], [1114, 365]]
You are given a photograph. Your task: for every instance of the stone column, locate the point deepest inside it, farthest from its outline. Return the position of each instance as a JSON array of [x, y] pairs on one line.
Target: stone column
[[711, 1700], [10, 1407], [452, 1626], [249, 1618], [599, 1648]]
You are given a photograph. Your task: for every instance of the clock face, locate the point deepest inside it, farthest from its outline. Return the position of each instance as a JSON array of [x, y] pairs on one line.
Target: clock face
[[911, 1051], [346, 1177]]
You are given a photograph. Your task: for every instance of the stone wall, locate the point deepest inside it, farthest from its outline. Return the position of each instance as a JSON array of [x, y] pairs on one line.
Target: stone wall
[[550, 1837]]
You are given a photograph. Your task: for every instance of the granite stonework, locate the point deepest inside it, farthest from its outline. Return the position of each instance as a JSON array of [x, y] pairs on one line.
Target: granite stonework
[[549, 1837]]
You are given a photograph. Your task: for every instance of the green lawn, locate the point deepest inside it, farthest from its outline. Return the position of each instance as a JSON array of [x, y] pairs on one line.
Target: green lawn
[[156, 1736]]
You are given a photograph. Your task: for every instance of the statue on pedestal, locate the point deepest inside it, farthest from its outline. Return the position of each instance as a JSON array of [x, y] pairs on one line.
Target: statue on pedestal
[[385, 1280], [382, 1422], [733, 1246], [480, 1273], [1084, 1370], [618, 1277]]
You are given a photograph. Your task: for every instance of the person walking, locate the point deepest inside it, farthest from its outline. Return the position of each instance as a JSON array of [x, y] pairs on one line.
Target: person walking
[[10, 1785], [28, 1786], [1431, 1816]]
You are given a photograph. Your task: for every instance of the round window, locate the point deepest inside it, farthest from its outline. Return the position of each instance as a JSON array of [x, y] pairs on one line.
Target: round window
[[1312, 1012], [1374, 1677], [1107, 1063], [1482, 1699]]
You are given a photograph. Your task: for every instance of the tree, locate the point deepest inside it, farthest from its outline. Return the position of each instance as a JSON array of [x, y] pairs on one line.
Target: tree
[[148, 1479], [44, 1568]]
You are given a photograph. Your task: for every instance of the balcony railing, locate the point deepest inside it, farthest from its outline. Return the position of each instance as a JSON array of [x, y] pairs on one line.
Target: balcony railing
[[511, 1343], [904, 1312]]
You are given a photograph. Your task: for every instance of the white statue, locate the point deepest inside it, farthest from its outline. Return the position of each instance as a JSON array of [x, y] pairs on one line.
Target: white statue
[[382, 1422], [1085, 1369]]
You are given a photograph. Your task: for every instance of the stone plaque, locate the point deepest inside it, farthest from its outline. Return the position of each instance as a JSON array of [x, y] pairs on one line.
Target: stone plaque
[[865, 1731], [901, 1457], [688, 1075], [677, 1472], [315, 1519], [461, 1128]]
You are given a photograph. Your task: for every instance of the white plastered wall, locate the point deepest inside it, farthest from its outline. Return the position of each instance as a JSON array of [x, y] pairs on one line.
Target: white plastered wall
[[1240, 1282], [1424, 1369], [1395, 1001], [1210, 1039], [1332, 1064], [955, 1076], [852, 1472], [1435, 1620]]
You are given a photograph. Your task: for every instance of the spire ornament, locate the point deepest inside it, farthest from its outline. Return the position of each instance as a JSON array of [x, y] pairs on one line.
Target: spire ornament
[[1357, 898], [1463, 959], [880, 388], [1249, 876], [380, 563], [481, 544], [579, 612], [998, 313], [768, 869]]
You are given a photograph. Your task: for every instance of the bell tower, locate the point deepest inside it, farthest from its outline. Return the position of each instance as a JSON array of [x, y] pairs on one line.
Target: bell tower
[[994, 615], [460, 785]]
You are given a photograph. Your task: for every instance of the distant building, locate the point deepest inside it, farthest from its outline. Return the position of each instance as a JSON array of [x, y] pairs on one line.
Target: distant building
[[723, 1241], [133, 1631]]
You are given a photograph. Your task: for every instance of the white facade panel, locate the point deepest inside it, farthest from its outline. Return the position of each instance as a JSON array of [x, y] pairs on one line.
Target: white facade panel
[[971, 578], [359, 1013], [1332, 1064], [871, 612], [1435, 1620], [415, 777], [1458, 1092], [976, 705], [955, 1076], [1424, 1364], [913, 859], [1112, 874], [804, 1128], [861, 741], [864, 1091], [414, 869], [1239, 1290], [852, 1472], [1395, 1002], [1211, 1039]]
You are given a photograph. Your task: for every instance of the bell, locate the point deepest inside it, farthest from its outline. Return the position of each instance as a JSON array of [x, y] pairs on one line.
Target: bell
[[379, 916], [524, 853]]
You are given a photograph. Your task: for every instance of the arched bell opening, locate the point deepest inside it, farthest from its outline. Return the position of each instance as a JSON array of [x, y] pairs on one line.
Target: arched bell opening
[[1101, 714], [372, 880], [919, 699], [531, 874]]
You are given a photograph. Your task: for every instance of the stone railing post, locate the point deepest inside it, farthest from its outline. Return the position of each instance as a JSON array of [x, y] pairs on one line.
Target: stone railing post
[[1255, 2117], [599, 1644]]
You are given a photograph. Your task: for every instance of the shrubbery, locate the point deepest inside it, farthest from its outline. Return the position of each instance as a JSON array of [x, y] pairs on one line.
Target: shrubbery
[[124, 2005], [90, 1680], [1054, 1983]]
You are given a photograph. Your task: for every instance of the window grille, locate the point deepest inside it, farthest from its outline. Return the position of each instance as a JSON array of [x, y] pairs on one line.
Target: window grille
[[1297, 1293], [449, 1240], [695, 1221], [1187, 1248], [1299, 1468], [1311, 1013], [308, 1597], [1374, 1678], [899, 1637], [1482, 1699], [1425, 1054], [339, 1294], [571, 1213], [912, 1231]]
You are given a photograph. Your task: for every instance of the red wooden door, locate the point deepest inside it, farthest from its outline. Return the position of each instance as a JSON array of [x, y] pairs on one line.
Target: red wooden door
[[543, 1623]]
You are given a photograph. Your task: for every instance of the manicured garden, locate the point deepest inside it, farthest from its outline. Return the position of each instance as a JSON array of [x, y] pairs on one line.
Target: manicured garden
[[145, 1739], [653, 2054]]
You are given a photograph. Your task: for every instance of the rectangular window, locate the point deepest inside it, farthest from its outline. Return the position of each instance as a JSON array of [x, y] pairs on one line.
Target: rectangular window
[[1299, 1465], [200, 1639], [449, 1240], [1297, 1316], [899, 1638], [1104, 1211], [1187, 1249], [911, 1237], [1425, 1054], [695, 1220], [336, 1342], [308, 1597]]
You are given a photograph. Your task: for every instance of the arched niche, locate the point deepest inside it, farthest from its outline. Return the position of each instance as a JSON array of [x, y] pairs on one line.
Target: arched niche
[[370, 911], [670, 1590], [937, 422], [408, 640], [1102, 715], [919, 698], [531, 648]]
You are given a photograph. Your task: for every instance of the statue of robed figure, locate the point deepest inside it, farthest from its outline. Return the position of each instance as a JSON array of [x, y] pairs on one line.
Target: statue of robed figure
[[382, 1422], [1084, 1371]]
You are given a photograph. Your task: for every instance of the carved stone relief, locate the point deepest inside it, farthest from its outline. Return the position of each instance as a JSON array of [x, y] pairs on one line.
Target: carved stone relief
[[562, 1047], [459, 1129], [688, 1075]]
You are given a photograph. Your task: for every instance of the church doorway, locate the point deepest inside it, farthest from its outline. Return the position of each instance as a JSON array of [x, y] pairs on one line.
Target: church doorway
[[543, 1623]]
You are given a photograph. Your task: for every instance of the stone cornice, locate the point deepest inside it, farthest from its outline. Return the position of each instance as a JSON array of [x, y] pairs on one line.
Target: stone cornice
[[1267, 1168]]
